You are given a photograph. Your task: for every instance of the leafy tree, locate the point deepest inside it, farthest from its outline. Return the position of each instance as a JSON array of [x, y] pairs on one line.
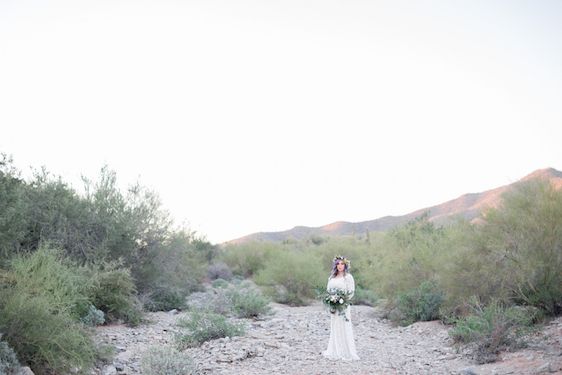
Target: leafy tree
[[12, 208]]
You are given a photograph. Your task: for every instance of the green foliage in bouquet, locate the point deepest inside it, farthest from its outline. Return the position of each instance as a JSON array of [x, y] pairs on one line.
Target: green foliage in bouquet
[[337, 301]]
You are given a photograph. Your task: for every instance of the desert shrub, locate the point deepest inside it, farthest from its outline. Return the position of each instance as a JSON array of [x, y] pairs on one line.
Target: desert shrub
[[364, 297], [243, 300], [405, 257], [50, 342], [13, 220], [523, 240], [248, 302], [114, 292], [220, 283], [93, 317], [421, 303], [47, 274], [292, 278], [170, 272], [492, 328], [9, 364], [204, 326], [219, 270], [167, 361], [164, 299], [248, 259], [215, 300]]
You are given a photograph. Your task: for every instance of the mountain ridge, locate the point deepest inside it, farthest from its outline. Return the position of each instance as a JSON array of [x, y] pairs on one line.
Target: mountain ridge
[[468, 206]]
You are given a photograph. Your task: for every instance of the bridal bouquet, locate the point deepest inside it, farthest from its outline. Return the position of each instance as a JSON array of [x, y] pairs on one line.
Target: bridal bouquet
[[337, 300]]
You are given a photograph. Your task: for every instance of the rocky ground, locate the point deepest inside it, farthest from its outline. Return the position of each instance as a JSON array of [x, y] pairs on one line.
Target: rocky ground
[[291, 339]]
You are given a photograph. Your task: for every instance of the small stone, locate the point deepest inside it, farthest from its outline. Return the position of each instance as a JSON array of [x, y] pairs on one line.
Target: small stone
[[109, 370], [119, 366], [468, 371], [25, 371]]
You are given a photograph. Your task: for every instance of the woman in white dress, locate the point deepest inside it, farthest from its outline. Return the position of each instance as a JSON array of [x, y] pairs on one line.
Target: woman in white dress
[[342, 343]]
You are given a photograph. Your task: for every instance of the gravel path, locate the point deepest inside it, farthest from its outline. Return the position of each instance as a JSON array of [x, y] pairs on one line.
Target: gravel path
[[291, 339]]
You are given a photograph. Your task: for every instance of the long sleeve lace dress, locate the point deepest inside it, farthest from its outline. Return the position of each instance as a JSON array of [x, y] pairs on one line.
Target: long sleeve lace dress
[[342, 343]]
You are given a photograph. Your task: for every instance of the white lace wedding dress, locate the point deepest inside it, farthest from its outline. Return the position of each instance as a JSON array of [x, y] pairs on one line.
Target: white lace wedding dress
[[342, 343]]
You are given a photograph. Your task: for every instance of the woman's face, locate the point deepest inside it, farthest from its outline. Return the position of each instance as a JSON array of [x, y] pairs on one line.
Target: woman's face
[[340, 266]]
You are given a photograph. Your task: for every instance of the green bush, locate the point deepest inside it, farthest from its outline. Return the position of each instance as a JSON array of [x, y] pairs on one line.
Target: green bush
[[422, 303], [50, 342], [114, 292], [220, 283], [364, 297], [408, 255], [13, 221], [47, 274], [292, 278], [522, 239], [248, 303], [93, 317], [204, 326], [492, 328], [167, 361], [164, 299], [219, 270], [248, 259], [170, 272], [9, 364]]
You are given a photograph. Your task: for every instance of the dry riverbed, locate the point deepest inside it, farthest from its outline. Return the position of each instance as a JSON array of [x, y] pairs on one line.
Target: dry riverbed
[[291, 339]]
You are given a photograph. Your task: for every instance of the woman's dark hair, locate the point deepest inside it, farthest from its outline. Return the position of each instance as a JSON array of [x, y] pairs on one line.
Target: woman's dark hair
[[337, 260]]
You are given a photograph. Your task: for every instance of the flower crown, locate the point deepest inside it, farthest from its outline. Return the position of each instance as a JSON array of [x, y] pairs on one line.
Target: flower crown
[[342, 259]]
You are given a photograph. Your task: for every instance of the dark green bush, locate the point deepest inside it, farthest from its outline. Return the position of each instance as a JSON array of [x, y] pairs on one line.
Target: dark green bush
[[204, 326], [171, 272], [422, 303], [114, 292], [164, 299]]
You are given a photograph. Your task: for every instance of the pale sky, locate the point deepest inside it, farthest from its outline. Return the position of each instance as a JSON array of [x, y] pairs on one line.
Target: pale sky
[[250, 116]]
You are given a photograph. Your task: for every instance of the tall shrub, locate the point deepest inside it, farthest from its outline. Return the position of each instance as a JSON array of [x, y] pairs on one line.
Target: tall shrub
[[523, 240], [248, 259], [292, 277]]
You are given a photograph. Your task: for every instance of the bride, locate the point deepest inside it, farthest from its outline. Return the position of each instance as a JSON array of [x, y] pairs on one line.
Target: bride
[[342, 343]]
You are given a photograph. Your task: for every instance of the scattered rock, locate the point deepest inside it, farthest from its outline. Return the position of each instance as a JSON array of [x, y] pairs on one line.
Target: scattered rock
[[109, 370], [292, 339]]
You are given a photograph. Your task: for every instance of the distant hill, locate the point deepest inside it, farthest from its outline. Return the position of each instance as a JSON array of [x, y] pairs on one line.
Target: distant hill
[[468, 206]]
